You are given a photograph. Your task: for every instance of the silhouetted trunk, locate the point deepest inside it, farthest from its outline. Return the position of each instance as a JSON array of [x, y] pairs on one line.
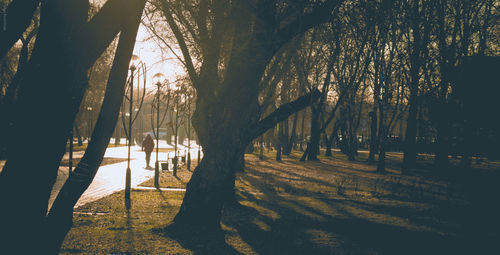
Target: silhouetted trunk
[[227, 113], [302, 130], [290, 142], [223, 139], [374, 138], [420, 29], [441, 160], [352, 143], [410, 152], [381, 156], [45, 98], [332, 139], [60, 217], [261, 152], [117, 135], [278, 152], [467, 146], [17, 21], [312, 150], [325, 140], [383, 138], [50, 95], [328, 150]]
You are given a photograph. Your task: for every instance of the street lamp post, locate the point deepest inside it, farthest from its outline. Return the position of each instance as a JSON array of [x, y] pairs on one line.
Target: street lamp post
[[70, 152], [175, 159], [189, 132], [157, 79], [89, 109], [139, 66]]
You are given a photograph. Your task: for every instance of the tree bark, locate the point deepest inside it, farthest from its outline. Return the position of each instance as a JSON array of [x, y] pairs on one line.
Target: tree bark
[[330, 141], [55, 82], [374, 138], [383, 138], [293, 136], [45, 85], [410, 153], [226, 118], [60, 217], [313, 144], [18, 20]]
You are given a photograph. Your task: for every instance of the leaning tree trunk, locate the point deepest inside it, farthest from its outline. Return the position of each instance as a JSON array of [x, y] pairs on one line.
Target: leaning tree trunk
[[17, 21], [50, 94], [60, 217], [44, 98]]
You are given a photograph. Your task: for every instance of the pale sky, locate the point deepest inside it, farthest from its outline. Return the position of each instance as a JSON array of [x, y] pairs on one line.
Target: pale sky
[[150, 53], [156, 60]]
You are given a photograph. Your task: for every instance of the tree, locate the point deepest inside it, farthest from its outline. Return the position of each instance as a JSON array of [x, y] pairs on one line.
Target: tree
[[461, 31], [417, 34], [314, 64], [234, 43], [67, 46]]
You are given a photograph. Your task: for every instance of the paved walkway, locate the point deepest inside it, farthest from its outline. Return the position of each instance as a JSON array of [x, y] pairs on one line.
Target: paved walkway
[[111, 178]]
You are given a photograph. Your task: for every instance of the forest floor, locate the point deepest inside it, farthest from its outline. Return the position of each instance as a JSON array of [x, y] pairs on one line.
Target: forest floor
[[332, 206]]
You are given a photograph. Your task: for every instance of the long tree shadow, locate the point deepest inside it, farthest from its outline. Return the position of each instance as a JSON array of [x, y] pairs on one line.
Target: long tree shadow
[[284, 223], [198, 243]]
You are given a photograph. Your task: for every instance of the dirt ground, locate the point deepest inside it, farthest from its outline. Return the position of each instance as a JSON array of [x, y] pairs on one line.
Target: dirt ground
[[328, 207]]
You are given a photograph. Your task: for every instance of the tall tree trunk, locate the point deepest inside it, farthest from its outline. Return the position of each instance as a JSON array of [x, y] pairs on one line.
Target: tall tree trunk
[[60, 217], [118, 135], [44, 86], [325, 140], [302, 130], [333, 136], [410, 152], [293, 136], [261, 152], [50, 95], [374, 138], [278, 152], [383, 139], [312, 150], [441, 160], [223, 139]]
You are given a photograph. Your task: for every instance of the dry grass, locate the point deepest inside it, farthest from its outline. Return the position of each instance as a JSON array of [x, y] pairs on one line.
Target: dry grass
[[293, 207], [167, 180]]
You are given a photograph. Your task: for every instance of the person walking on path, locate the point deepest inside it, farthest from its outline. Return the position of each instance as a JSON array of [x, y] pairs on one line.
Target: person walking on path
[[147, 146]]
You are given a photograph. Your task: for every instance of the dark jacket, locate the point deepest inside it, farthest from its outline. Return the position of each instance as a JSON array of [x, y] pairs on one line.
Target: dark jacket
[[148, 144]]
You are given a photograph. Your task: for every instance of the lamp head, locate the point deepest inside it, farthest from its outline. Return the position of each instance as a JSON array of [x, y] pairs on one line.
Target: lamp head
[[134, 61], [158, 78]]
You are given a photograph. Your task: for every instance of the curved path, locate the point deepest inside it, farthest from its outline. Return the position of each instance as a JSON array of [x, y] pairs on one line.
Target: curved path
[[111, 178]]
